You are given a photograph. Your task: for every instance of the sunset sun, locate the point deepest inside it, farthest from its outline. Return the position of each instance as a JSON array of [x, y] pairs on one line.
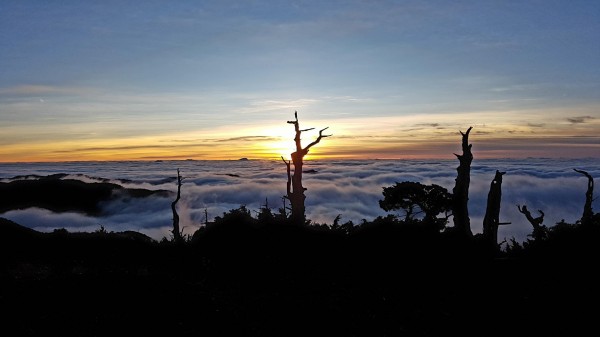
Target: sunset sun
[[276, 149]]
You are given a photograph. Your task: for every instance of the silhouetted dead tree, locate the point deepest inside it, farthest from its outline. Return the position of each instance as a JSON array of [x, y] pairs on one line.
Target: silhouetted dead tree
[[491, 220], [283, 210], [588, 213], [176, 232], [288, 188], [295, 190], [460, 192], [540, 232]]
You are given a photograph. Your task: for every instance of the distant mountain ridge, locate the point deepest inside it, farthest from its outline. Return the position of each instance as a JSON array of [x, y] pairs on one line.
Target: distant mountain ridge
[[57, 194]]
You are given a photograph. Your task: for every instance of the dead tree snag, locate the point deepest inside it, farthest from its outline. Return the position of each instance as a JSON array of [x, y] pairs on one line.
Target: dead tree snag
[[540, 231], [588, 213], [295, 190], [176, 232], [491, 220], [460, 192]]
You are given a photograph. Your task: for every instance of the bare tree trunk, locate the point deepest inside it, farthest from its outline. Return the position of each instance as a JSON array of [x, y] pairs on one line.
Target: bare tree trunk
[[540, 231], [176, 232], [460, 193], [588, 213], [295, 190], [491, 220], [289, 193]]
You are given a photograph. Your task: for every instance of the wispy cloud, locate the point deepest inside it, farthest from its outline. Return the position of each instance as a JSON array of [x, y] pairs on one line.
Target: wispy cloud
[[536, 125], [262, 104], [43, 90], [250, 139], [520, 87], [579, 119]]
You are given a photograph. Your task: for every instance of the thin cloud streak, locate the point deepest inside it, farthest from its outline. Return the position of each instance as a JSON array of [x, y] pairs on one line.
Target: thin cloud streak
[[579, 119]]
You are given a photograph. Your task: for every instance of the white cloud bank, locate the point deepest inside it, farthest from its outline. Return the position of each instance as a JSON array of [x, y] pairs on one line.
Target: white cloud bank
[[349, 188]]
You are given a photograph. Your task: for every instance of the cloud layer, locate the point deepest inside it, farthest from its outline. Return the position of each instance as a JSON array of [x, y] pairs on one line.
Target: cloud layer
[[351, 189]]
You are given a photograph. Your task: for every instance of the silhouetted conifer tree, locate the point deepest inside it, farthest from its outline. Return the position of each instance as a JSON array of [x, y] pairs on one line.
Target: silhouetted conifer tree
[[176, 231]]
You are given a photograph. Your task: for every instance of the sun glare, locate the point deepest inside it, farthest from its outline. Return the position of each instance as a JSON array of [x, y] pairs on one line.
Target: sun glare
[[277, 143]]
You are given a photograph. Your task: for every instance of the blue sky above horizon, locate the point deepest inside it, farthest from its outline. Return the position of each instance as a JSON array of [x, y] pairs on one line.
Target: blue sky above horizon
[[219, 79]]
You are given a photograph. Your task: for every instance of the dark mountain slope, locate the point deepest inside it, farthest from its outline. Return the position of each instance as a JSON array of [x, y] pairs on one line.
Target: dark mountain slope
[[62, 195]]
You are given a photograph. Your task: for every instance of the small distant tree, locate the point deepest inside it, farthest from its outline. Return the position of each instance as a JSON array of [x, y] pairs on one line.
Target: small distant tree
[[265, 215], [176, 231], [540, 232], [418, 200], [237, 217], [295, 190], [345, 228]]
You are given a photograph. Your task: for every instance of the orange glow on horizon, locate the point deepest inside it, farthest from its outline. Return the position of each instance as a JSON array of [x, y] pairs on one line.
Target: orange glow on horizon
[[361, 138], [480, 151]]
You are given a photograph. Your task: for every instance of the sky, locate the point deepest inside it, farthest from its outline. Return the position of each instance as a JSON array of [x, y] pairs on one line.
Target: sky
[[147, 80]]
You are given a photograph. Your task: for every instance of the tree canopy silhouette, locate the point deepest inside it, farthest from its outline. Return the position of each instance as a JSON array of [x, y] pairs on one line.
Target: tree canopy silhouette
[[416, 199]]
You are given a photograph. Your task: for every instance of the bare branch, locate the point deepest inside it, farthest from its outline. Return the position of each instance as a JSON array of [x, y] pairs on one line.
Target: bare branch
[[539, 231], [289, 178], [588, 213], [584, 173], [296, 121], [466, 133], [321, 135]]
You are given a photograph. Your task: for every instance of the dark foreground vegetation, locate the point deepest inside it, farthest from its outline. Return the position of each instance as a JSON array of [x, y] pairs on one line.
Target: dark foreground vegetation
[[278, 274], [262, 276]]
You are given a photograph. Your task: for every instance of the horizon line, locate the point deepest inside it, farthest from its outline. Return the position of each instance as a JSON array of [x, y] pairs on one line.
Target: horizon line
[[321, 159]]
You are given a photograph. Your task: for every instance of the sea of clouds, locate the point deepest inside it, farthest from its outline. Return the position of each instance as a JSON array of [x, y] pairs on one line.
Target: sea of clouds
[[350, 188]]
